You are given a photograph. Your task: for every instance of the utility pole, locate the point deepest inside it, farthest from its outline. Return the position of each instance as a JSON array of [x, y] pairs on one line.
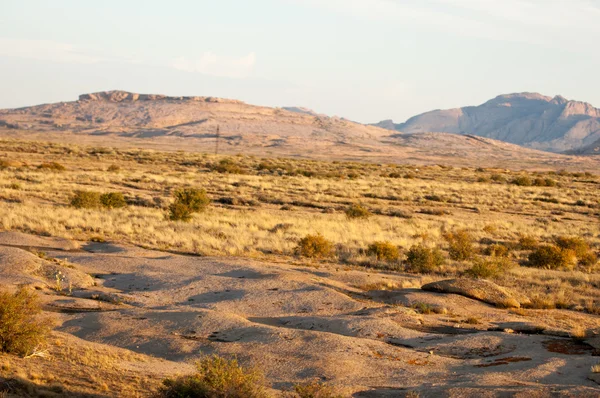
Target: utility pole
[[217, 143]]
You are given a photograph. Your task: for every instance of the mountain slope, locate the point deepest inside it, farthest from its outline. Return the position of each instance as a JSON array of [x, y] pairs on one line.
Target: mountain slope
[[527, 119], [123, 119]]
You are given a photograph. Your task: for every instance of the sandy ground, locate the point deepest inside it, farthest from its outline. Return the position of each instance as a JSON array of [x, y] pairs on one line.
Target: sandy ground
[[300, 322]]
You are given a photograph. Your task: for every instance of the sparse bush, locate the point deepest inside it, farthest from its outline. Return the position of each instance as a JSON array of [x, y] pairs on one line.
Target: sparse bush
[[217, 377], [227, 166], [527, 242], [113, 200], [423, 259], [522, 181], [585, 256], [52, 166], [358, 211], [434, 198], [21, 328], [461, 246], [314, 246], [187, 202], [15, 185], [86, 200], [497, 178], [552, 257], [315, 390], [496, 250], [426, 309], [384, 251], [113, 168], [490, 268], [544, 182]]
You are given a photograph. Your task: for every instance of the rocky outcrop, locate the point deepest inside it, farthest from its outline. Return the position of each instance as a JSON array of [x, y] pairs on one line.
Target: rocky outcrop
[[528, 119], [481, 290], [124, 96]]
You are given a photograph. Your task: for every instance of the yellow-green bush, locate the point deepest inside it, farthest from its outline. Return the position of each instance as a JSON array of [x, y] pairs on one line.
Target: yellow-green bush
[[113, 200], [420, 258], [552, 257], [86, 200], [384, 251], [217, 377], [22, 329], [315, 246], [187, 202], [460, 245], [357, 211]]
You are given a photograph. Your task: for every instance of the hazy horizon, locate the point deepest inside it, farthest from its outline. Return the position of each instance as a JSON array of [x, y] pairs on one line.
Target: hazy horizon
[[362, 60]]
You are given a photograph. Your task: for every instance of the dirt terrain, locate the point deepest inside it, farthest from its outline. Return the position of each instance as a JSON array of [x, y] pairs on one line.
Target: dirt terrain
[[299, 322]]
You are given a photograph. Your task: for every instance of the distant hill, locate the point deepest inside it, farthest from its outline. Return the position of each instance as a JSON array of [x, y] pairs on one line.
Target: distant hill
[[124, 119], [527, 119]]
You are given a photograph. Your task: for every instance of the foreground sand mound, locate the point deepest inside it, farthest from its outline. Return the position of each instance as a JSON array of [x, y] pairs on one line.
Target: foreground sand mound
[[19, 239], [18, 267], [478, 289]]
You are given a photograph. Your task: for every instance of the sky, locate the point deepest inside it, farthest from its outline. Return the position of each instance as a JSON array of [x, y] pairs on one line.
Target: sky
[[365, 60]]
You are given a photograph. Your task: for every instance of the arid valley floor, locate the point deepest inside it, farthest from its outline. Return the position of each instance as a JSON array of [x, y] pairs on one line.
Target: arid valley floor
[[307, 270]]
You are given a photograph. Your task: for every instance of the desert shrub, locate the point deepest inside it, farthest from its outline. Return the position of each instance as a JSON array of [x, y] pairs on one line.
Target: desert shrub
[[314, 246], [4, 164], [113, 168], [527, 242], [585, 256], [460, 245], [552, 257], [490, 268], [522, 181], [21, 328], [496, 250], [15, 186], [483, 179], [420, 258], [425, 308], [187, 202], [384, 251], [86, 200], [315, 390], [544, 182], [575, 243], [357, 211], [394, 175], [227, 166], [52, 166], [217, 377], [113, 200], [497, 178], [434, 198]]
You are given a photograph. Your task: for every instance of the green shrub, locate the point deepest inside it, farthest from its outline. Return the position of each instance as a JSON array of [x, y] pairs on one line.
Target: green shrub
[[357, 211], [187, 202], [86, 200], [21, 328], [52, 166], [384, 251], [496, 250], [460, 245], [113, 200], [552, 257], [490, 268], [217, 377], [314, 246], [315, 390], [423, 259], [522, 181]]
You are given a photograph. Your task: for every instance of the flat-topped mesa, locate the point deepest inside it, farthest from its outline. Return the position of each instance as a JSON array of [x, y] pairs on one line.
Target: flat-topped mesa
[[125, 96]]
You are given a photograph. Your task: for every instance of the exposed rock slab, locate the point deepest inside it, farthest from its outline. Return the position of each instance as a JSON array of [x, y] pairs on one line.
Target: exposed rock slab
[[479, 289]]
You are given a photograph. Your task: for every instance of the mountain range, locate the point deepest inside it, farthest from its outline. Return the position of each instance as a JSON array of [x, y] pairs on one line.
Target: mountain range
[[531, 120], [511, 129]]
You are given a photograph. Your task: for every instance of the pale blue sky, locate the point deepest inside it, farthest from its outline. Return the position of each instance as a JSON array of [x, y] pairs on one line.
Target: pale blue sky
[[365, 60]]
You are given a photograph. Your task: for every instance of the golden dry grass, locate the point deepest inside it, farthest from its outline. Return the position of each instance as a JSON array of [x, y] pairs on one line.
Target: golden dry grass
[[268, 205]]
